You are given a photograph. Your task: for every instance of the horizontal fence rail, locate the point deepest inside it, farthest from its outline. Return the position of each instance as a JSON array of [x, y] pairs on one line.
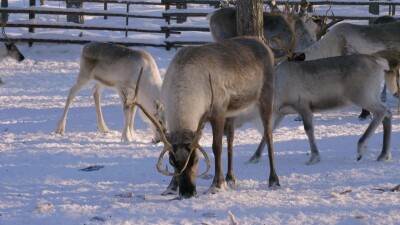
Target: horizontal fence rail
[[174, 21]]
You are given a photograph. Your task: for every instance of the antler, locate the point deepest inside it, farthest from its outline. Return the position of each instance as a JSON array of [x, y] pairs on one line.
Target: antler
[[167, 145], [289, 48], [323, 22]]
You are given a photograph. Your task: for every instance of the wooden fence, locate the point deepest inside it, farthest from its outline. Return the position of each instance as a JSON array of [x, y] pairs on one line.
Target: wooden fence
[[175, 14]]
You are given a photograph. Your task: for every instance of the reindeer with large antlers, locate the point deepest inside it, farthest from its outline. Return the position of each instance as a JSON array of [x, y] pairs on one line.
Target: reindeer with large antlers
[[209, 83]]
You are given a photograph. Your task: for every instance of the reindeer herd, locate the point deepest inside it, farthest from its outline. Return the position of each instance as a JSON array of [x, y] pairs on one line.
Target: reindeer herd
[[243, 79]]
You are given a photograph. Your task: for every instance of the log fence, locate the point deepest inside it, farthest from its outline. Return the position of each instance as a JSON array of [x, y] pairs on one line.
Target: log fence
[[173, 18]]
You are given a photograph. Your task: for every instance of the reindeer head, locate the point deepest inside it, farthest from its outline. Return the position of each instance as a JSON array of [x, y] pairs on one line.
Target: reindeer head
[[13, 52], [181, 147]]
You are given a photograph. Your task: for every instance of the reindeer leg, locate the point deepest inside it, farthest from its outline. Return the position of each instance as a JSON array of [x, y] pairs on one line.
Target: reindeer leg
[[172, 188], [387, 131], [378, 112], [397, 74], [72, 93], [256, 156], [131, 122], [383, 93], [230, 175], [266, 117], [101, 125], [126, 135], [308, 116], [217, 124]]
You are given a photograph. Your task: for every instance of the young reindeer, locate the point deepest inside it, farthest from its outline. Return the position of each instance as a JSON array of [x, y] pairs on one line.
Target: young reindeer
[[347, 39], [328, 84], [117, 67], [209, 83]]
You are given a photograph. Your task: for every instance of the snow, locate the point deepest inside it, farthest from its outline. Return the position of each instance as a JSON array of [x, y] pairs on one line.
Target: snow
[[42, 182]]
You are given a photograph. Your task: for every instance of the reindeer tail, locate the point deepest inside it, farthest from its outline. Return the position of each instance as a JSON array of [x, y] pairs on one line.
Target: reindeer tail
[[391, 80]]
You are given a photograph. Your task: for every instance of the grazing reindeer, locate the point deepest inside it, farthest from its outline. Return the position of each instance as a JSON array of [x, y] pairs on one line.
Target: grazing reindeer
[[117, 67], [347, 39], [327, 84], [9, 49], [209, 83]]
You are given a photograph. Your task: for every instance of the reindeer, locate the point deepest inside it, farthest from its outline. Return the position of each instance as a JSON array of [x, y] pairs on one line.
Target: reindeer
[[277, 25], [9, 49], [347, 39], [209, 83], [117, 67], [328, 84]]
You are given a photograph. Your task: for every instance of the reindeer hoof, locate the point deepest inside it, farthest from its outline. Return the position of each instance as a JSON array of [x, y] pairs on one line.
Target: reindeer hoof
[[169, 192], [254, 159], [231, 180], [298, 118], [384, 158], [274, 186], [313, 160], [214, 189]]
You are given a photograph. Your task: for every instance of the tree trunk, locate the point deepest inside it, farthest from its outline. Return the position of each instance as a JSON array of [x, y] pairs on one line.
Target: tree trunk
[[249, 18]]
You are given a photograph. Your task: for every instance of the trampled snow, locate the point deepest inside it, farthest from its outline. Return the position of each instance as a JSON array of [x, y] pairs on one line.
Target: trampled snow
[[42, 182]]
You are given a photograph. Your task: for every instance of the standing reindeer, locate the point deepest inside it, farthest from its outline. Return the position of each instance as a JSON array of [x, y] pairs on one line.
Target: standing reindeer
[[327, 84], [209, 83], [277, 25], [117, 67], [347, 39]]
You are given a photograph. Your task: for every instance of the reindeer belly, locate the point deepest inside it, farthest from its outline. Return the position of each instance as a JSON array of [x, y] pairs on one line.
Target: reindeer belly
[[328, 104], [240, 103]]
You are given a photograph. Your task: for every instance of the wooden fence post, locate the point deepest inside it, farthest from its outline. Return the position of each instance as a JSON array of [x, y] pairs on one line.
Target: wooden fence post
[[4, 16], [105, 9], [75, 18], [31, 16], [127, 18], [373, 8]]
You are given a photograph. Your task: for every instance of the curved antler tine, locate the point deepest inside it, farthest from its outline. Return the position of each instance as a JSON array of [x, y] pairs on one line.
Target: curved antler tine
[[159, 164], [136, 102], [207, 161], [187, 161]]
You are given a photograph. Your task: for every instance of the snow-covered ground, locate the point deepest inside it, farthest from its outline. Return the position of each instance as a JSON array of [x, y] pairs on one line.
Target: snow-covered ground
[[41, 181]]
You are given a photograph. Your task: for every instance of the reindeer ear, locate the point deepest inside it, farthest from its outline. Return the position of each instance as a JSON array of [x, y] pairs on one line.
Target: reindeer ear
[[300, 57], [317, 20]]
